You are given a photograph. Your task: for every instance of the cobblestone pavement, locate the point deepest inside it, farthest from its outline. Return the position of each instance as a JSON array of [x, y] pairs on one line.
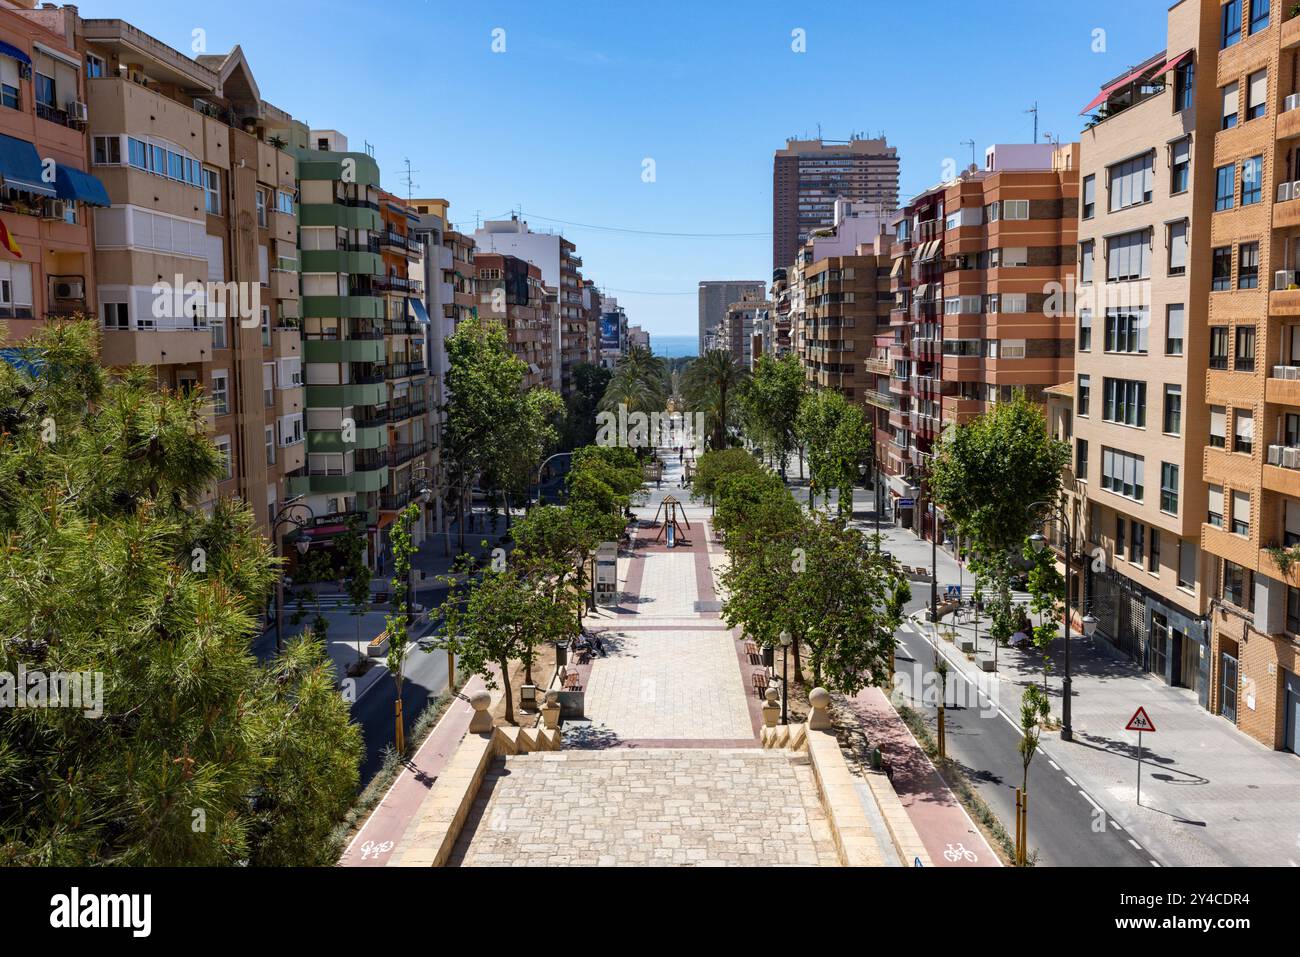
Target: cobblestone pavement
[[667, 585], [657, 685], [638, 807]]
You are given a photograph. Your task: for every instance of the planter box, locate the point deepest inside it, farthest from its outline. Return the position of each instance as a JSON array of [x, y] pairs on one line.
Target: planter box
[[966, 644], [378, 647], [986, 663]]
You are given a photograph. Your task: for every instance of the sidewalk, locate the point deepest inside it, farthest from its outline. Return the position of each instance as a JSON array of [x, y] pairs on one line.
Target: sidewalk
[[1210, 794]]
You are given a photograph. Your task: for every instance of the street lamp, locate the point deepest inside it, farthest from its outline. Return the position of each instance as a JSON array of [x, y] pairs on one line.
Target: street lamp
[[785, 640], [1038, 542], [285, 516]]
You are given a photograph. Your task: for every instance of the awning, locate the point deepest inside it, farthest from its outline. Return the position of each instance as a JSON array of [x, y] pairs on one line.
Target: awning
[[9, 50], [928, 251], [1173, 63], [72, 183], [1137, 74], [20, 167], [421, 314], [898, 267]]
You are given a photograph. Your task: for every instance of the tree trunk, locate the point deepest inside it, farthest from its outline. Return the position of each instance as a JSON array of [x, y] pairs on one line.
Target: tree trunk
[[505, 496], [505, 681], [798, 668]]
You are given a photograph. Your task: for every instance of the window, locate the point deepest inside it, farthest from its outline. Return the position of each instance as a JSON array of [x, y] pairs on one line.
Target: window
[[1215, 507], [1258, 15], [1014, 302], [1180, 168], [212, 191], [1174, 329], [1178, 248], [1225, 178], [45, 95], [1293, 610], [1290, 523], [1089, 196], [1184, 86], [1153, 559], [1218, 347], [1137, 543], [1081, 460], [268, 384], [218, 326], [1186, 564], [1248, 266], [1130, 182], [220, 393], [266, 324], [116, 316], [1015, 256], [94, 66], [1256, 95], [1218, 426], [1085, 393], [107, 150], [1234, 584], [1126, 330], [1243, 430], [261, 207], [1221, 269], [1240, 513], [1120, 538], [1173, 418], [284, 202], [1229, 106], [223, 446], [1085, 261], [1252, 181], [1015, 209], [1244, 357], [1128, 256], [1231, 24], [270, 444], [1121, 473], [1085, 330], [1124, 402], [1169, 488]]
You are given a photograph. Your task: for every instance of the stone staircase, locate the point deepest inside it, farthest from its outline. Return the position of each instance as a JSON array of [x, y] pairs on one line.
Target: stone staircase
[[648, 806]]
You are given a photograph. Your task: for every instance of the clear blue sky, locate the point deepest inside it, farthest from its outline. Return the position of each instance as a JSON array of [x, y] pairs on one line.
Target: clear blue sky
[[561, 121]]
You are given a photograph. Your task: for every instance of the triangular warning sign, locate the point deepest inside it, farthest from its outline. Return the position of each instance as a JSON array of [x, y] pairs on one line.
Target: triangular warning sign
[[1139, 721]]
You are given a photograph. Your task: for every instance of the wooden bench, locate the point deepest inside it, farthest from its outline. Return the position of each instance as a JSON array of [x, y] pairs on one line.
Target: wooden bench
[[751, 649], [570, 680], [759, 681]]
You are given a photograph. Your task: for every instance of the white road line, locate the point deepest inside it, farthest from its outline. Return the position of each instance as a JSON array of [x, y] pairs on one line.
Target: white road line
[[1055, 766], [1135, 843], [1087, 798], [1155, 863], [1071, 781], [1115, 825]]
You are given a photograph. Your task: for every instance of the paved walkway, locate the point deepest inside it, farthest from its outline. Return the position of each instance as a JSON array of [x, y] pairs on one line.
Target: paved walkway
[[1210, 794]]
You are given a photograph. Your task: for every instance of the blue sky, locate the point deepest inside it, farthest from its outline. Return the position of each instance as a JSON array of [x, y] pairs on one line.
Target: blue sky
[[560, 123]]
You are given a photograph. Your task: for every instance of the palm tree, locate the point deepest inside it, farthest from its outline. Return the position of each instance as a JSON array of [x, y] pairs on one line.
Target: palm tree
[[638, 383], [709, 382]]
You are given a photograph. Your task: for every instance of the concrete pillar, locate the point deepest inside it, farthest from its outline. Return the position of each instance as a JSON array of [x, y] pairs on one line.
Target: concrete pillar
[[481, 722], [551, 710], [771, 708], [819, 719]]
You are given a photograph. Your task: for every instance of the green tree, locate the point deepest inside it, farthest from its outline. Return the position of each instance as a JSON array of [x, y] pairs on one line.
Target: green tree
[[1034, 709], [397, 625], [109, 567], [526, 437], [350, 546], [712, 466], [709, 386], [770, 405], [837, 437], [1046, 588], [556, 542], [589, 384], [639, 383]]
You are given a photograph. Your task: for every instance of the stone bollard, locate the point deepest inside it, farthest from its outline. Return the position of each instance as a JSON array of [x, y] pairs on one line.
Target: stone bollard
[[819, 718], [771, 709], [481, 722], [551, 710]]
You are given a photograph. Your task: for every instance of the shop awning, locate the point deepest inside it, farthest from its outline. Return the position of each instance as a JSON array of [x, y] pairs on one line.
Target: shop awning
[[9, 50], [1146, 68], [72, 183], [421, 314], [20, 167]]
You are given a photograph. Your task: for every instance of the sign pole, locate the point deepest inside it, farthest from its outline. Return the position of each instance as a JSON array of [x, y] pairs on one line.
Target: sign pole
[[1139, 799]]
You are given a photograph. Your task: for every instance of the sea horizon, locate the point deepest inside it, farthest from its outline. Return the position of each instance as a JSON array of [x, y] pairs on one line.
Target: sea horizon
[[674, 347]]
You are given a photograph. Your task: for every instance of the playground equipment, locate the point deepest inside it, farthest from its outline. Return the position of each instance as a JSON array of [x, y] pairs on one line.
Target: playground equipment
[[669, 526]]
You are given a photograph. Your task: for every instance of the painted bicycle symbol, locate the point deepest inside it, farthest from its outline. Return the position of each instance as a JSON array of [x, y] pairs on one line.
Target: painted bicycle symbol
[[956, 852], [371, 850]]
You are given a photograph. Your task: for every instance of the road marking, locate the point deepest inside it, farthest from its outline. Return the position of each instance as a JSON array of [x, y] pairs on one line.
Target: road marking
[[1155, 863], [1135, 843], [1089, 799], [1069, 780], [1115, 825], [1055, 766]]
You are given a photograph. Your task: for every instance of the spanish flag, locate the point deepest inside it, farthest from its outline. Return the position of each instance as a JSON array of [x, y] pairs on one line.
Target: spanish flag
[[8, 240]]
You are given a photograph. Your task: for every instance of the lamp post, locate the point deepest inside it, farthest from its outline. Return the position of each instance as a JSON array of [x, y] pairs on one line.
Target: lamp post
[[1058, 513], [285, 516], [425, 494], [785, 639]]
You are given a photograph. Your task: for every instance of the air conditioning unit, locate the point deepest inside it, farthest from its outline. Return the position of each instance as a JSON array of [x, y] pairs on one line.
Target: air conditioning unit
[[1284, 278], [1275, 455], [1291, 458], [78, 111], [1291, 102], [55, 208], [1283, 192], [68, 289]]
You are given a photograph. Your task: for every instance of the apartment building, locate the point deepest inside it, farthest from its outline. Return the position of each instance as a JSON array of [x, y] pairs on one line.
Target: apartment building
[[844, 299], [196, 257], [613, 332], [591, 309], [779, 344], [511, 292], [808, 176], [736, 334], [49, 270], [1137, 393], [715, 295]]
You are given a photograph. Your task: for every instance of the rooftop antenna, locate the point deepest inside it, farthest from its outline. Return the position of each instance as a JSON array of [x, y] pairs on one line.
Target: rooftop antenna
[[370, 149], [410, 183], [1034, 109], [971, 144]]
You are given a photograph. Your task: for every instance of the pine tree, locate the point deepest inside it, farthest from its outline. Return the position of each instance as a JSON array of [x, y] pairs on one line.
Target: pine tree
[[109, 567]]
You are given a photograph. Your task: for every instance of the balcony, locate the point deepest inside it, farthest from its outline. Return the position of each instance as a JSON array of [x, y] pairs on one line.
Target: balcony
[[1286, 212], [1283, 385], [288, 401], [156, 346], [343, 350], [286, 341], [1288, 121], [293, 456]]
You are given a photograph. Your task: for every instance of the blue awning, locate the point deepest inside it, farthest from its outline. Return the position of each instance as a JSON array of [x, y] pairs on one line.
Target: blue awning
[[24, 360], [72, 183], [20, 167], [8, 49], [421, 314]]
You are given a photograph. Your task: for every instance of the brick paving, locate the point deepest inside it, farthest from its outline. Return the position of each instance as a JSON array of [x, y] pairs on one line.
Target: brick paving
[[704, 808]]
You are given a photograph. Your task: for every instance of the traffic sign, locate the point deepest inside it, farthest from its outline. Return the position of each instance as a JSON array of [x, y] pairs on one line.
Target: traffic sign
[[952, 592], [1139, 721], [906, 502]]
